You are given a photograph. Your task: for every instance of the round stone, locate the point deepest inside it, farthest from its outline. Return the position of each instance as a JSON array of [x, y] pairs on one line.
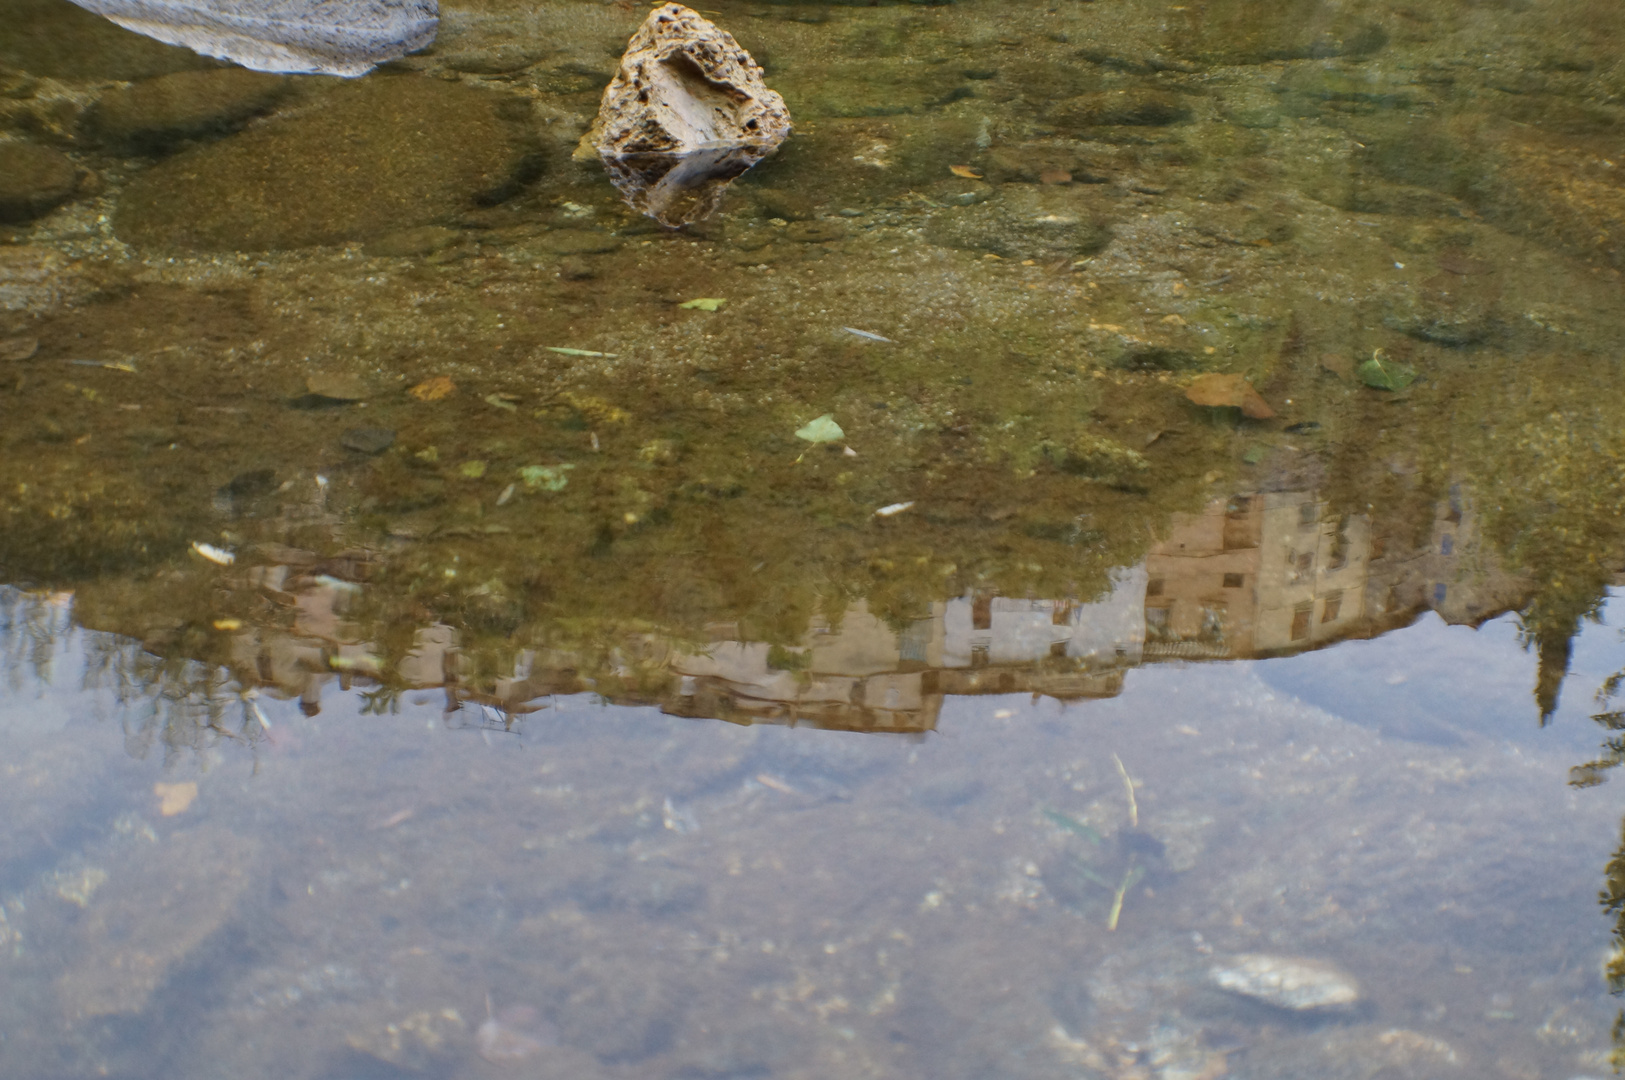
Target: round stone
[[155, 114], [369, 158], [33, 180]]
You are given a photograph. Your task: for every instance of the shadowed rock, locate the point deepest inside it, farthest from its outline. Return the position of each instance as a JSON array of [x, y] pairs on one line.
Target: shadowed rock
[[686, 114], [327, 37]]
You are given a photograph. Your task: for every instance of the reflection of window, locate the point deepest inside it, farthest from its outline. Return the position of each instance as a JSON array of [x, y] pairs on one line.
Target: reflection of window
[[978, 655], [981, 612], [1057, 649], [1234, 581], [1334, 604], [1213, 623], [1308, 515], [1447, 545], [1061, 613], [1154, 587], [1300, 620], [1156, 623], [1238, 524]]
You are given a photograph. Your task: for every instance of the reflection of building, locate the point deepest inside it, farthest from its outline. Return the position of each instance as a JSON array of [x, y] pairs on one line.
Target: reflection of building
[[1454, 575], [1255, 575]]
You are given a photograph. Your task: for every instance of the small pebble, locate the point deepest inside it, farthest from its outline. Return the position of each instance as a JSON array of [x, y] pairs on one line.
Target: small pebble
[[367, 440]]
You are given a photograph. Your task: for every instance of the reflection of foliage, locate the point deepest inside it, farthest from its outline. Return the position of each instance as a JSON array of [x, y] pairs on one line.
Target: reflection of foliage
[[177, 702], [1612, 899], [1559, 490]]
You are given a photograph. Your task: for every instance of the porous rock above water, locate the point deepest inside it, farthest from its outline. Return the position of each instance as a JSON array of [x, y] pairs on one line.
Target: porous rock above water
[[329, 37], [372, 158], [154, 114], [1288, 982], [686, 114], [33, 180]]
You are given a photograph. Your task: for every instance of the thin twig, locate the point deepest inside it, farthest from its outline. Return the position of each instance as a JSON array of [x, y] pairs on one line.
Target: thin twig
[[1128, 786]]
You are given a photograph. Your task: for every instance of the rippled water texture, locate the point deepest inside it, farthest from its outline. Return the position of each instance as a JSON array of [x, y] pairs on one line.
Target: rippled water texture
[[1098, 561]]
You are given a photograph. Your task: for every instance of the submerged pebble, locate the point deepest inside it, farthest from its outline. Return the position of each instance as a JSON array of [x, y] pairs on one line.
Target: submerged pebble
[[513, 1034], [1288, 982], [367, 440]]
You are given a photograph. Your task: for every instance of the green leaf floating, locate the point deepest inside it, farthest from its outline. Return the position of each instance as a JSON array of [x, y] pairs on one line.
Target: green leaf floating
[[822, 430], [704, 303], [545, 477], [1381, 373]]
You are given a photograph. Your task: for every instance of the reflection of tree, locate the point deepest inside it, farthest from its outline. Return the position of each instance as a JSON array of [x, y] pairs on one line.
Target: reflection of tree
[[171, 701]]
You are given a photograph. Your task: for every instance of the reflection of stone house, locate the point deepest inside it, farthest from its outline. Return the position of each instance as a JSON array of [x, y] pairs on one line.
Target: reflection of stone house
[[1253, 575], [1256, 574], [861, 674], [1455, 575]]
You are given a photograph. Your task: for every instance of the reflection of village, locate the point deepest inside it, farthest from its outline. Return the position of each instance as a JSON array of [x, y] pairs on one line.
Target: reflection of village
[[1253, 576]]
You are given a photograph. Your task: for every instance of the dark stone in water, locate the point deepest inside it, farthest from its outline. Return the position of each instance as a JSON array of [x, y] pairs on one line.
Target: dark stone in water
[[58, 40], [156, 114], [367, 440], [33, 180], [378, 156]]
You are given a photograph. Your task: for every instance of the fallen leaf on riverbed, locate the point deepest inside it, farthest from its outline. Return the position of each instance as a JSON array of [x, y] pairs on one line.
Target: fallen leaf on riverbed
[[174, 798], [1229, 391], [822, 430], [433, 389], [965, 171], [704, 303], [1381, 373]]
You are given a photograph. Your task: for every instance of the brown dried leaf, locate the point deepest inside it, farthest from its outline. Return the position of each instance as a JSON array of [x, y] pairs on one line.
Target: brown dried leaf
[[1229, 391], [965, 171], [433, 389]]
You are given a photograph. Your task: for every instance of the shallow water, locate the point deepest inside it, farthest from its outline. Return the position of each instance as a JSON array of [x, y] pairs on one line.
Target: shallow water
[[431, 649]]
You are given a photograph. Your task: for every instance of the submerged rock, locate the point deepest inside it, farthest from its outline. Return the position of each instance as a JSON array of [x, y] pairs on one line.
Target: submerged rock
[[686, 113], [328, 37], [33, 180], [1288, 982], [378, 156], [157, 113]]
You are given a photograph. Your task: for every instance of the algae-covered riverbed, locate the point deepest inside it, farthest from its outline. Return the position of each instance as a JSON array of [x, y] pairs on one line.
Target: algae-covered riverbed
[[435, 645]]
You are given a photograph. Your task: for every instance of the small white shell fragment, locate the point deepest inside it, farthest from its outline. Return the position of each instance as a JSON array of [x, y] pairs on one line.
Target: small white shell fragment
[[893, 508], [1287, 982], [218, 556]]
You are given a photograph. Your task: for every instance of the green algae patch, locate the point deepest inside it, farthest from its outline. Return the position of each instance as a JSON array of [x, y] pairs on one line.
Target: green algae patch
[[367, 159]]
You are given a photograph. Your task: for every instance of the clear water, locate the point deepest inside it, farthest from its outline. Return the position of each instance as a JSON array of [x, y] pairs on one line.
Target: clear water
[[389, 693]]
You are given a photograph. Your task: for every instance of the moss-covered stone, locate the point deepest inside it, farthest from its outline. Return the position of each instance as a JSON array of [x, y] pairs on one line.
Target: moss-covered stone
[[1247, 32], [1025, 223], [368, 158], [155, 114], [33, 180], [57, 39], [1137, 108]]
